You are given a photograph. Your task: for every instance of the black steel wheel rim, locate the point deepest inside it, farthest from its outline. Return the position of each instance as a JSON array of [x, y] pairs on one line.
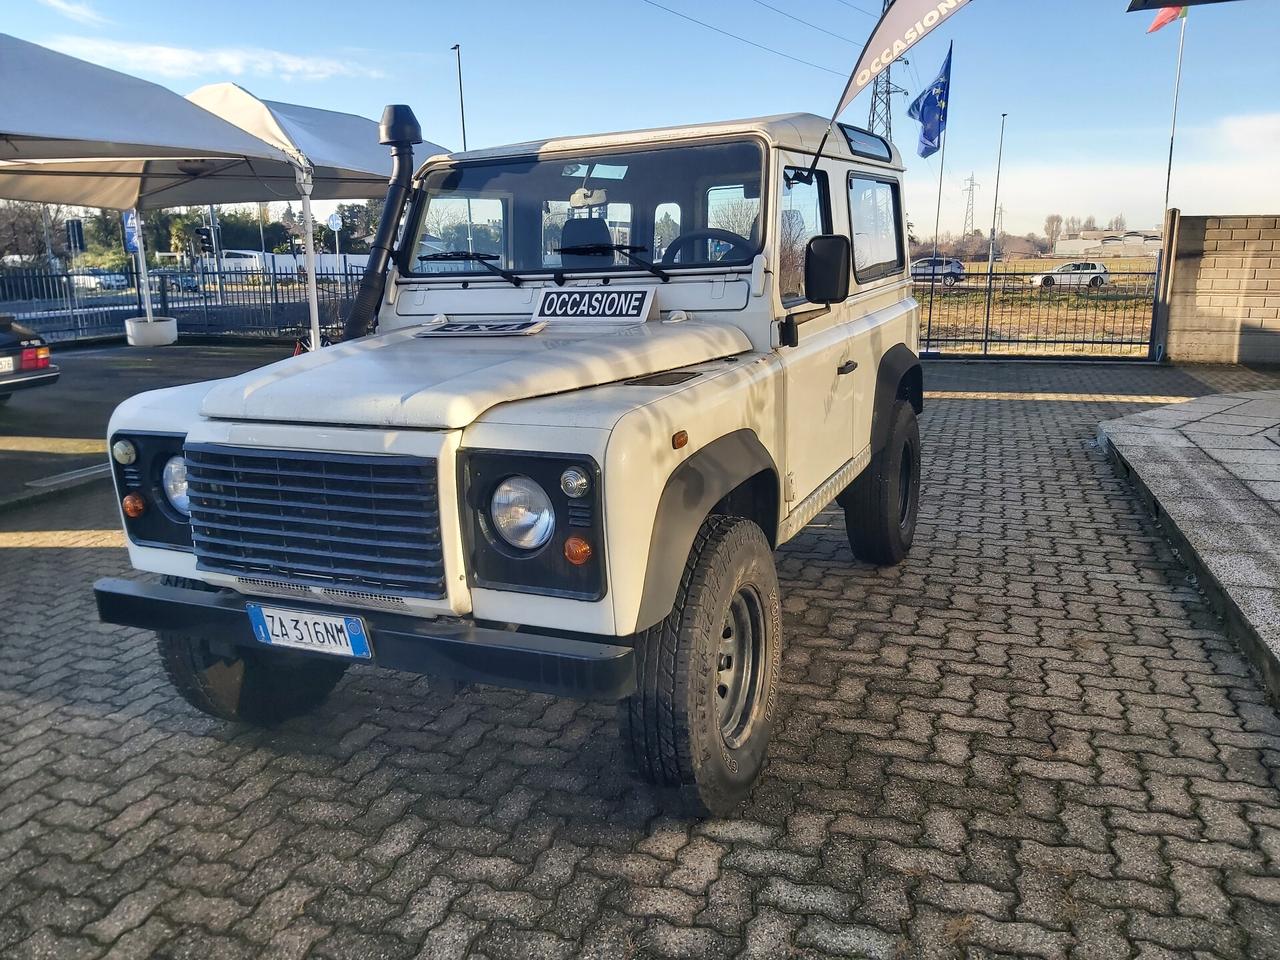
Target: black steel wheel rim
[[740, 665], [904, 485]]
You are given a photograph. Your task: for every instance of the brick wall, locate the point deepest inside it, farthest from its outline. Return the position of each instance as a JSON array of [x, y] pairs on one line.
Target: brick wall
[[1220, 298]]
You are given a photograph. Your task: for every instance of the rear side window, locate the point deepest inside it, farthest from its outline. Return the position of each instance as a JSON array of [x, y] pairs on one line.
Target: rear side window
[[877, 240]]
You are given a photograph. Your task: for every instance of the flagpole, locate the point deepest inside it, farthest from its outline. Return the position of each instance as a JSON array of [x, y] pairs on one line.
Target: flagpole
[[1173, 131], [937, 220], [991, 251]]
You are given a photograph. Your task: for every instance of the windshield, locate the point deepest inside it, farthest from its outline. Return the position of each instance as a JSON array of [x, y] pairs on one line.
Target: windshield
[[684, 206]]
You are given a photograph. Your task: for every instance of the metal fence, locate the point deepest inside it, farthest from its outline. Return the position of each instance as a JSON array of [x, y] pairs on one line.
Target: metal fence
[[1030, 308], [1023, 308], [79, 305]]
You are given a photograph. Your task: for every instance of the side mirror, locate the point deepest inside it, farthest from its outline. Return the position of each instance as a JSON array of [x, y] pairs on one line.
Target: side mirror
[[826, 269]]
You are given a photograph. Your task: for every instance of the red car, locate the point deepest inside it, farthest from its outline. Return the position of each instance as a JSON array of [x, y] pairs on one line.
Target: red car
[[24, 359]]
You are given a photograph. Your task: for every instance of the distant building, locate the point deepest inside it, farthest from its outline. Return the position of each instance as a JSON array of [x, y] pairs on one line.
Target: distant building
[[1109, 243]]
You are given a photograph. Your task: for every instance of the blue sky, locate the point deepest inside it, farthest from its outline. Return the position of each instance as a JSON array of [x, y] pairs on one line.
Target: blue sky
[[1088, 93]]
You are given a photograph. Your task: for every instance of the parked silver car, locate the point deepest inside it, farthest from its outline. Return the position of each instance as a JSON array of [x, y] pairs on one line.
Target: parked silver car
[[1082, 273], [932, 269]]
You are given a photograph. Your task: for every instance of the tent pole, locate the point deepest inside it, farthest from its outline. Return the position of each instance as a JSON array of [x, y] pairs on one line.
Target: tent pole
[[308, 224], [143, 279]]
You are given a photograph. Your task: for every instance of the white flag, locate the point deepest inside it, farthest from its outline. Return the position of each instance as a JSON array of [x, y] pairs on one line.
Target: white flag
[[900, 28]]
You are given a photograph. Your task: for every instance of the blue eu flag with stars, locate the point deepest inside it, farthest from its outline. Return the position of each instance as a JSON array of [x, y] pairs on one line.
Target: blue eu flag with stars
[[930, 108]]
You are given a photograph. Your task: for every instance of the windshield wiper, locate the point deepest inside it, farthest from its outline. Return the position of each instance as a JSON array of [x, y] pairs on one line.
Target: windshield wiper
[[626, 249], [484, 259]]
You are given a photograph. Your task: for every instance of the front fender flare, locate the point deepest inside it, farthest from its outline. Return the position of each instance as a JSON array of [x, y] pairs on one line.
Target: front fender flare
[[693, 488]]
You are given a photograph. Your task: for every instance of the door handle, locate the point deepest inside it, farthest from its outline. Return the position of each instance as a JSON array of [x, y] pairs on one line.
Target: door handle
[[847, 367]]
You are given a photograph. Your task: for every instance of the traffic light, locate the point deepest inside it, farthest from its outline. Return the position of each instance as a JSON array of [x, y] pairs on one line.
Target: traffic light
[[205, 236], [75, 235]]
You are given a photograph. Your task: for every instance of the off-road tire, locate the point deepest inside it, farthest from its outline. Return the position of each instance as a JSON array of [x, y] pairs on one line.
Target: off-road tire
[[881, 505], [261, 687], [673, 726]]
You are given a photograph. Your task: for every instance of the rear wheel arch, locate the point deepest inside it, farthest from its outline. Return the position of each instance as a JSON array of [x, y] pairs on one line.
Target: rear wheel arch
[[899, 377], [733, 475]]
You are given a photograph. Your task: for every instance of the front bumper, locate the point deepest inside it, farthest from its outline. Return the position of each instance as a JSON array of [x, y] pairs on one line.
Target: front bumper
[[10, 383], [453, 650]]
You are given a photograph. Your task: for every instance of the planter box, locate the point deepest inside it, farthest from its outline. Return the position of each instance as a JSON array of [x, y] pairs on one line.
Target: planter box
[[159, 332]]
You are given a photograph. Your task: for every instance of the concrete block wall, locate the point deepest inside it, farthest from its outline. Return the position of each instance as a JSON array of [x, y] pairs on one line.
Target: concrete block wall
[[1222, 289]]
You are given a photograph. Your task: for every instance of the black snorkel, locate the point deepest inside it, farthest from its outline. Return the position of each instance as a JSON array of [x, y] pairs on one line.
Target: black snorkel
[[399, 130]]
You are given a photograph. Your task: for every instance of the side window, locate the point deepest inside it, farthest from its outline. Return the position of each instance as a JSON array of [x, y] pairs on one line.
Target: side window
[[666, 227], [805, 213], [877, 239]]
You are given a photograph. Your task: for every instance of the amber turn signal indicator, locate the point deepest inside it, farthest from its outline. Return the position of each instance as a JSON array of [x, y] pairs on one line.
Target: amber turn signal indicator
[[679, 439], [577, 551], [133, 506]]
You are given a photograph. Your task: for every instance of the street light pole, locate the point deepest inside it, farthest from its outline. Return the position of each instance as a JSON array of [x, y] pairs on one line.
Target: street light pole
[[991, 249]]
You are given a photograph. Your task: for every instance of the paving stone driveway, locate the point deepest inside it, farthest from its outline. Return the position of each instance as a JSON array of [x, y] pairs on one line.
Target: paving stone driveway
[[1032, 740]]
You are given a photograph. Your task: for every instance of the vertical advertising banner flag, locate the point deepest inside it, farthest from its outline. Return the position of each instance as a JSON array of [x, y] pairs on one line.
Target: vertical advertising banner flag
[[902, 25], [130, 218]]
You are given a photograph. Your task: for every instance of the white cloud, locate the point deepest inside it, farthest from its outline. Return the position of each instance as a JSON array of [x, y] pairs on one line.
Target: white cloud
[[183, 62], [79, 12], [1228, 167]]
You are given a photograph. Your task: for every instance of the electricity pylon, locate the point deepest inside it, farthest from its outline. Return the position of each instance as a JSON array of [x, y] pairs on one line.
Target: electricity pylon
[[970, 187]]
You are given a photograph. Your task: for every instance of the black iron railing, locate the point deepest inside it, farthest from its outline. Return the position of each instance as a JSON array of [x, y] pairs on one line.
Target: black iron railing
[[82, 304]]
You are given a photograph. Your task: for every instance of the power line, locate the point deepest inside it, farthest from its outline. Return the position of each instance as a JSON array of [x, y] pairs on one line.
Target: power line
[[873, 16], [734, 36], [814, 26]]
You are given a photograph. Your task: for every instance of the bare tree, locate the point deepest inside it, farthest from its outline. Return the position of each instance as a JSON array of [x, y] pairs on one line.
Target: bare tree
[[1053, 229], [1071, 225], [1090, 223], [1118, 223]]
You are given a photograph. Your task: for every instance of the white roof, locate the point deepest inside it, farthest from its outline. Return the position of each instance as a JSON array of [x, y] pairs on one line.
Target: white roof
[[799, 131]]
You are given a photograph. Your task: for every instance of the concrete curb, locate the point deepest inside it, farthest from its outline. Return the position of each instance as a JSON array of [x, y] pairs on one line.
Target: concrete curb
[[1237, 622], [30, 498]]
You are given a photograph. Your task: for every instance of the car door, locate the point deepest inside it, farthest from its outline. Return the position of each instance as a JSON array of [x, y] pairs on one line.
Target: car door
[[819, 385]]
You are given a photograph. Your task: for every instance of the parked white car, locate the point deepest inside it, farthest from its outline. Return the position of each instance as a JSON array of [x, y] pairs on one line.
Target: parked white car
[[99, 281], [1082, 273]]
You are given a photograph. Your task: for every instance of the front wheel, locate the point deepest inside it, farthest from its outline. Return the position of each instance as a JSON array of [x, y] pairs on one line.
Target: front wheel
[[706, 676], [242, 684], [881, 505]]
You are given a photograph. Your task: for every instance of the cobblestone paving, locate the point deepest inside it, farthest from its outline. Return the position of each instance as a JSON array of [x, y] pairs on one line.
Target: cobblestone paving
[[1030, 740]]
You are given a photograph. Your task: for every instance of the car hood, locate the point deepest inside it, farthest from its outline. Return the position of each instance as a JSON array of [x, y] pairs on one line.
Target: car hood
[[414, 379]]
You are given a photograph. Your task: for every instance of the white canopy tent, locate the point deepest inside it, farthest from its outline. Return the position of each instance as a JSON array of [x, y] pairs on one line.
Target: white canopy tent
[[335, 156], [90, 136]]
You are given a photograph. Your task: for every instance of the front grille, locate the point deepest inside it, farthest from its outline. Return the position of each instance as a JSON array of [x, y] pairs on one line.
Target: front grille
[[365, 523]]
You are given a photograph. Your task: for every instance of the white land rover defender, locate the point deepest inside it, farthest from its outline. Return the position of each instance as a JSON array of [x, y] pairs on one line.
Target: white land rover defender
[[610, 375]]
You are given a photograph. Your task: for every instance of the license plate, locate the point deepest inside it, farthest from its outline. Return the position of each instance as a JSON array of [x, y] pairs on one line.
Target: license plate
[[7, 364], [317, 632]]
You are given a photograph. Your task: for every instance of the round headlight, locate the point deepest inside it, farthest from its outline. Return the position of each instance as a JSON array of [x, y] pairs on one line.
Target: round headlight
[[522, 513], [174, 481]]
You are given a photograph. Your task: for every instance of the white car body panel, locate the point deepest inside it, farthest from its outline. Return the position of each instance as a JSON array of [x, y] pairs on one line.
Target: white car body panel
[[400, 379]]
